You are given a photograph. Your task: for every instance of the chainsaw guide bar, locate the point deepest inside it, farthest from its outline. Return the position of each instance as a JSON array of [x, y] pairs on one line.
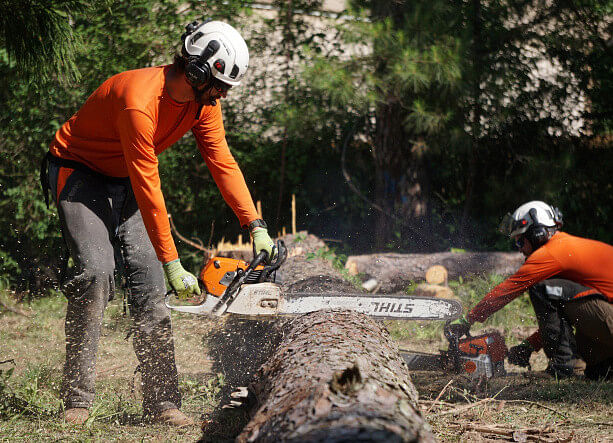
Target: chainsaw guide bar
[[266, 299]]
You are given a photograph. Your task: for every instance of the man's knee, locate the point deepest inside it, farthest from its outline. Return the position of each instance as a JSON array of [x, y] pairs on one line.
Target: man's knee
[[153, 316], [93, 283]]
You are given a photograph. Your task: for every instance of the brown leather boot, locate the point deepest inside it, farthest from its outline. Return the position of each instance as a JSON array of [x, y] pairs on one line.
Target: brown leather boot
[[173, 417], [76, 416]]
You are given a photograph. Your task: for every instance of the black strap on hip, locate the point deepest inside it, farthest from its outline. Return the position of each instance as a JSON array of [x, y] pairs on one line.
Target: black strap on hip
[[72, 164]]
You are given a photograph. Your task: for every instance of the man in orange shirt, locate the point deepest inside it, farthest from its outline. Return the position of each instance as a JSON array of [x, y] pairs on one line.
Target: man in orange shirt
[[570, 282], [103, 176]]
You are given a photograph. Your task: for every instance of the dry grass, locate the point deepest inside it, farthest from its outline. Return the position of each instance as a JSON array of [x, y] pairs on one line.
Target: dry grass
[[524, 405]]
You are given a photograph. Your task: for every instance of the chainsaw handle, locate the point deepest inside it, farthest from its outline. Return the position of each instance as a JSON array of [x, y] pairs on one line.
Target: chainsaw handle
[[277, 262], [454, 345], [241, 276], [257, 260]]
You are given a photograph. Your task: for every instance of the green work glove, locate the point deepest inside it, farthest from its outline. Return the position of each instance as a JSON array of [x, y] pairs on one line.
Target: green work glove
[[182, 282], [520, 355], [459, 327], [263, 242]]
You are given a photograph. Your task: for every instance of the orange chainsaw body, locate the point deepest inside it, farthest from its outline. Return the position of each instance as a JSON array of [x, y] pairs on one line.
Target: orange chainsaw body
[[483, 354], [218, 272]]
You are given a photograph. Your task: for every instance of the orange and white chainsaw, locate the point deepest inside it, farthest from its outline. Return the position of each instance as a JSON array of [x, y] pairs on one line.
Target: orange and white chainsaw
[[474, 356], [233, 286]]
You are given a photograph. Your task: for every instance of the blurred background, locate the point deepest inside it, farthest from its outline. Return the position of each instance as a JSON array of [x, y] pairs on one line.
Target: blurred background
[[407, 126]]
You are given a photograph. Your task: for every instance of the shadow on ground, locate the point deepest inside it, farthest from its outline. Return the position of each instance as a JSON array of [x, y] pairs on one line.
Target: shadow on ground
[[532, 386]]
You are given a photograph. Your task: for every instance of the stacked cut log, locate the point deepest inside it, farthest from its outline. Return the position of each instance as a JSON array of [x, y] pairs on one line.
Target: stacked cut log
[[395, 272], [336, 376]]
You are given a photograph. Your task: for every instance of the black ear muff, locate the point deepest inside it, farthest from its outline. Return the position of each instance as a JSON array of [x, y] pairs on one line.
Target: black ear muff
[[197, 70], [537, 234]]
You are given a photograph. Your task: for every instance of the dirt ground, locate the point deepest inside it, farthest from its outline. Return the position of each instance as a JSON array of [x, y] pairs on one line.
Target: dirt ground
[[523, 406]]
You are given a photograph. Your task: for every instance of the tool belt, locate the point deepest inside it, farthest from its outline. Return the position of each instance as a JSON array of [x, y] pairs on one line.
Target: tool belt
[[72, 164]]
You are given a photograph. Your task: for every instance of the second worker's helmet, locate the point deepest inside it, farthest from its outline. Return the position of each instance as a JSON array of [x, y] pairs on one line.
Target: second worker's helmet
[[534, 219], [214, 49]]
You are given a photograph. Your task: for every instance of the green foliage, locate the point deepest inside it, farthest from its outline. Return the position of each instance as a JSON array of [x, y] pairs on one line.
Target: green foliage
[[206, 394], [411, 101], [337, 261], [39, 39]]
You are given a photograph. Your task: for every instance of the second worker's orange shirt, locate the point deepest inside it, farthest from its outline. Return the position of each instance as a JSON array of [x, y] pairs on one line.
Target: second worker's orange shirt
[[127, 122], [585, 261]]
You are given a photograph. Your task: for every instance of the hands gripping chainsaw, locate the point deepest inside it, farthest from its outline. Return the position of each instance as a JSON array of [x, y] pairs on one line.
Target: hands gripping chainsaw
[[221, 280]]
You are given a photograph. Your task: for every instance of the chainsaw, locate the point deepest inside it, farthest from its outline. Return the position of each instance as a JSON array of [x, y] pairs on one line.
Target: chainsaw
[[478, 356], [233, 286]]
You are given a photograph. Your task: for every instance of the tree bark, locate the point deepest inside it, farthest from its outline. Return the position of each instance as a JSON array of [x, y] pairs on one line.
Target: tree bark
[[336, 376], [395, 272]]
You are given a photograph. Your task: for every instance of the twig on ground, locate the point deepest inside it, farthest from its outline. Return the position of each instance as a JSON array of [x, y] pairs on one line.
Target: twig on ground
[[112, 368], [464, 407], [539, 405], [10, 360], [471, 405], [439, 395], [521, 434], [598, 423], [14, 310], [465, 395]]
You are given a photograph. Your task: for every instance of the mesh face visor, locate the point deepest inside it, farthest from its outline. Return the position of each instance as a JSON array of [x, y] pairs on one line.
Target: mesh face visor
[[511, 227], [506, 225]]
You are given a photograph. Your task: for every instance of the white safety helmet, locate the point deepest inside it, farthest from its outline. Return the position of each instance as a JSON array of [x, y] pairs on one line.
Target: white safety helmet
[[214, 49], [532, 214]]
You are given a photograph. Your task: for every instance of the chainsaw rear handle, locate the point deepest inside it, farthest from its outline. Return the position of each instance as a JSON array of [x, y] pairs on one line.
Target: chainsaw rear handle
[[276, 263], [449, 335], [454, 345]]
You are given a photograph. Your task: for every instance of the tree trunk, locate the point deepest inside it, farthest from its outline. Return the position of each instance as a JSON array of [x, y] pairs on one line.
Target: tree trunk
[[336, 376], [477, 54]]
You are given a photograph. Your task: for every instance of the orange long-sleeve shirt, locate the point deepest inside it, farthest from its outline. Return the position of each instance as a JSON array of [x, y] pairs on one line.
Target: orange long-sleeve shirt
[[585, 261], [127, 122]]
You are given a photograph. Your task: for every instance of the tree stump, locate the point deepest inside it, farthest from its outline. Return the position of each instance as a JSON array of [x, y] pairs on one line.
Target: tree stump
[[336, 376]]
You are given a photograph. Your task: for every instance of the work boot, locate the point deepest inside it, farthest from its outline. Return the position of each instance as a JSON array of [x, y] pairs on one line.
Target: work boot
[[76, 416], [579, 367], [559, 371], [172, 417]]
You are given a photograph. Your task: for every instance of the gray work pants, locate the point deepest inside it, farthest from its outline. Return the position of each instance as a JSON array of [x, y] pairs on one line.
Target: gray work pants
[[100, 222]]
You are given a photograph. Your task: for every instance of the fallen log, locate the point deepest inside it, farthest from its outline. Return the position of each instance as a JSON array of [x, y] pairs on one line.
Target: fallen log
[[395, 272], [336, 376]]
